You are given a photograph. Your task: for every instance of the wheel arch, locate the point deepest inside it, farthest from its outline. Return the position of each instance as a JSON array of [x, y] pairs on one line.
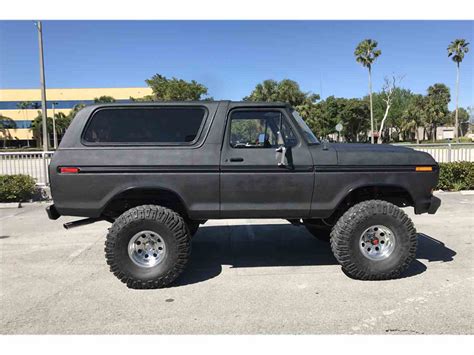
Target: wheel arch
[[393, 193], [133, 196]]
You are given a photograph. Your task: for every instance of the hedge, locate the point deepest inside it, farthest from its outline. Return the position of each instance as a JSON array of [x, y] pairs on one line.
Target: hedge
[[16, 188], [456, 176]]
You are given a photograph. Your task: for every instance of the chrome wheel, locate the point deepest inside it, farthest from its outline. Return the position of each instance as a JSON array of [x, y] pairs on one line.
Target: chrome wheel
[[147, 249], [377, 242]]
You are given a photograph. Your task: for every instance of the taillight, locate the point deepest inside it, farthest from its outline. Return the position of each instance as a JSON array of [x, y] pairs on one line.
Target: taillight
[[68, 170]]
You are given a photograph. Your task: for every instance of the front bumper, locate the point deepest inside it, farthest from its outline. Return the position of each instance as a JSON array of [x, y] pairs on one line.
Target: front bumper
[[430, 205], [434, 205], [52, 212]]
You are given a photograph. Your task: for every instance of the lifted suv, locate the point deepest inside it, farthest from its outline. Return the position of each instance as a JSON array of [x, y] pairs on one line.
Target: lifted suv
[[157, 171]]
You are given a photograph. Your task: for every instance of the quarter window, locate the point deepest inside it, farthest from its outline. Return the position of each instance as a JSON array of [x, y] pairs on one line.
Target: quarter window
[[259, 129], [145, 125]]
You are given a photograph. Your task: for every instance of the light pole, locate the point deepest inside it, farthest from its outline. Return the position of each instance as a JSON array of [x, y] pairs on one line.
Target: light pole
[[55, 136], [43, 85]]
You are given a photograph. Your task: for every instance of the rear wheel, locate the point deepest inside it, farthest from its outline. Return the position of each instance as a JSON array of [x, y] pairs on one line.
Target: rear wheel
[[148, 247], [374, 240]]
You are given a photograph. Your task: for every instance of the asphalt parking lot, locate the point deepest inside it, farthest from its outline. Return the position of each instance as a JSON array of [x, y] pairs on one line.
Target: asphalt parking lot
[[245, 277]]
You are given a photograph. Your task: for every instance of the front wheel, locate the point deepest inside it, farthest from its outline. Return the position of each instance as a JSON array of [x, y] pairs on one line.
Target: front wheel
[[148, 247], [374, 240]]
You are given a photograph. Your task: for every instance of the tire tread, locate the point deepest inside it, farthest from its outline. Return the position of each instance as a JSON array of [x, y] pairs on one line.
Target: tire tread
[[163, 215], [340, 238]]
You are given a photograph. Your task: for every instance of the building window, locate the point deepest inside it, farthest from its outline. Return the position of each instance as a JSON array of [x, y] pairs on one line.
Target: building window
[[12, 124]]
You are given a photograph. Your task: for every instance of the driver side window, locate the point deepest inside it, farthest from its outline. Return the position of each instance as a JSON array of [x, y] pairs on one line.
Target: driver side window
[[259, 129]]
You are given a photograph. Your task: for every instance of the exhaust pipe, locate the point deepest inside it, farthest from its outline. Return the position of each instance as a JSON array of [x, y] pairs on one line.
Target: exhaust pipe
[[81, 222]]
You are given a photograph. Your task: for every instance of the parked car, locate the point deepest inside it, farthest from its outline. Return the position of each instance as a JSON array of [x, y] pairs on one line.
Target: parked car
[[157, 171]]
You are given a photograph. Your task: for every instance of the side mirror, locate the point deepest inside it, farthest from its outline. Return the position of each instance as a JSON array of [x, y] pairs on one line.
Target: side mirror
[[281, 150]]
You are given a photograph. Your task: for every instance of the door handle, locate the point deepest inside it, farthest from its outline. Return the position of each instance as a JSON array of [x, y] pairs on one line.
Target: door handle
[[236, 159]]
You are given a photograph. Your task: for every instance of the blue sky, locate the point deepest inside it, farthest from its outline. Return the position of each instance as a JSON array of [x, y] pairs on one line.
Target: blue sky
[[231, 57]]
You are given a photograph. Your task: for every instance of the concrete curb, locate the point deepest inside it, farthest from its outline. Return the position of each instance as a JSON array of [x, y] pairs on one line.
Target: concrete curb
[[10, 205], [462, 192], [5, 205]]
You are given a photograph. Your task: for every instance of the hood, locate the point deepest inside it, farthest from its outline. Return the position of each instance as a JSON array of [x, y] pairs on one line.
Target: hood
[[379, 154]]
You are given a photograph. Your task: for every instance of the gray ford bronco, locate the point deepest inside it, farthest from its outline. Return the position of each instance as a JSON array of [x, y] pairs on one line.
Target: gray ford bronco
[[157, 171]]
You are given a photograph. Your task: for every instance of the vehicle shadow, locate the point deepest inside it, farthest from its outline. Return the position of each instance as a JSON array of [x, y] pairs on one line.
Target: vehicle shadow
[[277, 245]]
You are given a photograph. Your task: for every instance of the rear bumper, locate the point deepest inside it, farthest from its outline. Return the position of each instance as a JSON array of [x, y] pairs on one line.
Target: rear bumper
[[52, 212], [429, 206]]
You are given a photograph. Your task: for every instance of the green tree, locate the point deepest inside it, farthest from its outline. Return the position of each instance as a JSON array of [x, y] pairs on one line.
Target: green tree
[[463, 120], [173, 89], [415, 115], [62, 122], [400, 99], [6, 123], [104, 99], [75, 110], [456, 50], [349, 112], [366, 53], [470, 125], [352, 117], [320, 117], [285, 90], [37, 127], [290, 92], [437, 112]]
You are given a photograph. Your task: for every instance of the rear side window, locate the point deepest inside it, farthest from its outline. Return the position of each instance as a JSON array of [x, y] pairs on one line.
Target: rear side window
[[172, 125]]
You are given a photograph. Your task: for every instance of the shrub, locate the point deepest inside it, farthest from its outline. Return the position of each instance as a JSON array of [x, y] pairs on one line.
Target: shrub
[[16, 188], [456, 176]]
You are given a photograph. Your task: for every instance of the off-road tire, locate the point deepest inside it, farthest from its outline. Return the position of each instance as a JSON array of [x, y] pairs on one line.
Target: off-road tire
[[320, 232], [345, 238], [171, 228]]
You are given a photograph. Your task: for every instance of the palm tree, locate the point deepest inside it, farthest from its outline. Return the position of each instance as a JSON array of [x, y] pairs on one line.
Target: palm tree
[[457, 49], [366, 54]]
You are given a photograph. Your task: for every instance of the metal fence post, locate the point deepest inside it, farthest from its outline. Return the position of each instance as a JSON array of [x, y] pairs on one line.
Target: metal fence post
[[45, 168]]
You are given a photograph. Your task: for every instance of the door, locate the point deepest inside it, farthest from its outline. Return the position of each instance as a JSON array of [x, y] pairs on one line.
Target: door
[[266, 167]]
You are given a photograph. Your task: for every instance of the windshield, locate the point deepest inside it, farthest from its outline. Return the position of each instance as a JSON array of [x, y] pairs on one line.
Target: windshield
[[309, 135]]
